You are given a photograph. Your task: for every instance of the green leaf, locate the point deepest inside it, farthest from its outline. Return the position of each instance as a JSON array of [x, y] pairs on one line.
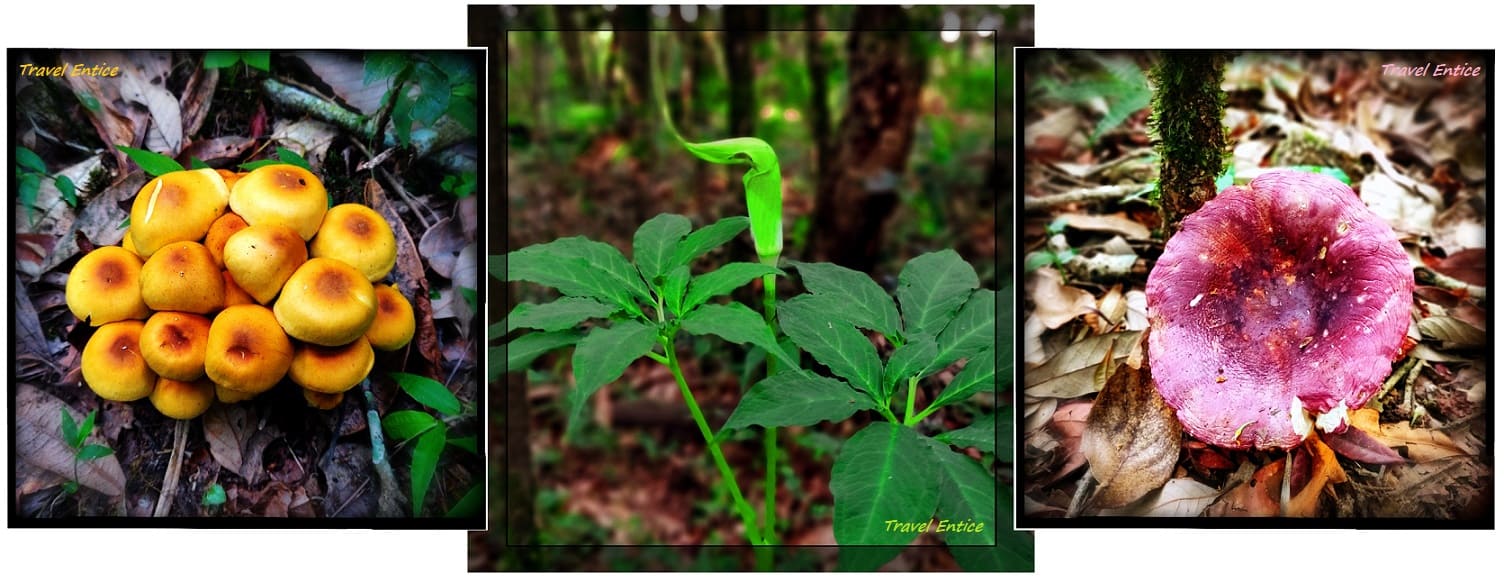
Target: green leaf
[[931, 288], [469, 296], [705, 239], [1037, 259], [425, 462], [257, 59], [220, 59], [979, 374], [91, 452], [470, 504], [674, 286], [653, 245], [602, 357], [968, 492], [1014, 552], [291, 157], [736, 323], [70, 487], [521, 352], [796, 398], [196, 164], [402, 120], [983, 434], [406, 424], [70, 430], [910, 360], [972, 330], [27, 188], [465, 443], [433, 102], [462, 111], [865, 558], [154, 164], [834, 342], [86, 428], [380, 66], [89, 101], [30, 160], [866, 304], [214, 496], [65, 186], [724, 280], [428, 392], [564, 313], [884, 476], [581, 267]]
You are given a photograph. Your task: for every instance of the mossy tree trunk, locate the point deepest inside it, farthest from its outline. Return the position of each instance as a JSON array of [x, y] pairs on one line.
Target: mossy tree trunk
[[1187, 121]]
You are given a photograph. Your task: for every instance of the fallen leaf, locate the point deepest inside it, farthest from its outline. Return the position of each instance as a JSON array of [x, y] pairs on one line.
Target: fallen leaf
[[227, 147], [1037, 413], [1067, 424], [1358, 445], [1113, 223], [197, 96], [1402, 208], [344, 73], [143, 79], [1421, 445], [309, 137], [441, 246], [1056, 303], [115, 120], [228, 428], [1071, 372], [1324, 470], [1453, 332], [1462, 226], [1181, 497], [1138, 311], [1252, 496], [1132, 439], [1468, 265], [39, 441]]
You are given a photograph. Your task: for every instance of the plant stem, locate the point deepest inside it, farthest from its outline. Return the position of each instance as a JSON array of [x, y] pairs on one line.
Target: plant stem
[[770, 434], [908, 411], [749, 516]]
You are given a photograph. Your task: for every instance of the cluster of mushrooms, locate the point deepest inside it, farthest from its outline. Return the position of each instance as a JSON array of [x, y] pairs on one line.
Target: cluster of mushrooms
[[199, 303]]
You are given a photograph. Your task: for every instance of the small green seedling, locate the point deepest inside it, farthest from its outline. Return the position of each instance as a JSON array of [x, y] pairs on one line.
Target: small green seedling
[[430, 436], [30, 171], [75, 436]]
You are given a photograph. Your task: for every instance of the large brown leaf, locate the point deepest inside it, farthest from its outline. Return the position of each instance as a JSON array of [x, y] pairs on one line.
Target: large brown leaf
[[39, 441], [228, 428], [1132, 439], [1421, 445]]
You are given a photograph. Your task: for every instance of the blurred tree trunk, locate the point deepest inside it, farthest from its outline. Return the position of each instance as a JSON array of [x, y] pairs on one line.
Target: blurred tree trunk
[[1187, 119], [859, 190], [817, 63], [570, 34], [635, 121], [745, 26], [693, 111]]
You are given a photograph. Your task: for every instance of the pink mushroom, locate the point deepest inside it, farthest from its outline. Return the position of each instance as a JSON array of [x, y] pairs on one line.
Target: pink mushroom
[[1276, 308]]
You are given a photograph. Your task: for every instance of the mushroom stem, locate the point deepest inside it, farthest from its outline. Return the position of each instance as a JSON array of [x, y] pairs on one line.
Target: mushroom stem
[[1284, 486], [174, 470], [389, 502]]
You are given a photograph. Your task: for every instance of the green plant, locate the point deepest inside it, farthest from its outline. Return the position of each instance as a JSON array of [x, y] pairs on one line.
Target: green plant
[[1048, 256], [460, 185], [429, 435], [75, 436], [30, 171], [1119, 83], [284, 156], [223, 59], [445, 86]]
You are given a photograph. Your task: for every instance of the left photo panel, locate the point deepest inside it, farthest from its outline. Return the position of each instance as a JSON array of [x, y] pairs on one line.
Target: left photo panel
[[246, 288]]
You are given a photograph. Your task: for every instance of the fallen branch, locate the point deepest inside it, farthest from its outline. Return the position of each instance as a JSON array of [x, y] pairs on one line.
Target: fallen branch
[[1429, 276], [434, 144], [389, 501], [1093, 194], [174, 470]]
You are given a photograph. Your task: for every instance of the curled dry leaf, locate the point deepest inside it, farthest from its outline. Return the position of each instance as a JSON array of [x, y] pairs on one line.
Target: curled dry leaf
[[1324, 470], [228, 429], [1132, 439], [1421, 445], [1113, 223], [1067, 424], [1181, 497], [1056, 303], [1072, 372], [1358, 445], [39, 441], [115, 120], [309, 137], [1453, 332]]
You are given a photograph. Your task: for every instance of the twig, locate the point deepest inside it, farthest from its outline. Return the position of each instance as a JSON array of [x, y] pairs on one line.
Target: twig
[[353, 496], [389, 502], [396, 186], [1093, 194], [174, 470], [1084, 488], [1284, 487], [1428, 276]]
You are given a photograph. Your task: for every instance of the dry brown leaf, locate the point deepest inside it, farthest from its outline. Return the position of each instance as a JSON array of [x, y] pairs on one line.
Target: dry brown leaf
[[441, 246], [116, 121], [310, 137], [1113, 223], [410, 279], [344, 73], [1421, 445], [1071, 372], [1453, 332], [196, 99], [1183, 497], [228, 428], [227, 147], [1132, 439], [1056, 303], [143, 80], [1256, 496], [1324, 470], [39, 441], [1067, 424]]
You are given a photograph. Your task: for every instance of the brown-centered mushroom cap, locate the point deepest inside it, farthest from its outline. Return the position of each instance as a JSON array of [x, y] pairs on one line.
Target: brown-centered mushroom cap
[[394, 323], [112, 365], [360, 237], [262, 257], [331, 370], [105, 286], [1276, 307], [182, 400], [248, 352], [175, 207], [173, 343], [326, 302], [281, 194], [182, 277]]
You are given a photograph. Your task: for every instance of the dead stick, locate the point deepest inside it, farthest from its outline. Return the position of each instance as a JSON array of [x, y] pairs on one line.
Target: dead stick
[[1084, 489], [1093, 194], [174, 470], [389, 501]]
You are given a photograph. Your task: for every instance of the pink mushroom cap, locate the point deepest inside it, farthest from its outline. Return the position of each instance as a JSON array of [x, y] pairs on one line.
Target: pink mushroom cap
[[1275, 309]]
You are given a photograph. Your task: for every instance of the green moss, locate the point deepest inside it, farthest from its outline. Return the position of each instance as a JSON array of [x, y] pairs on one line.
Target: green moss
[[1187, 124]]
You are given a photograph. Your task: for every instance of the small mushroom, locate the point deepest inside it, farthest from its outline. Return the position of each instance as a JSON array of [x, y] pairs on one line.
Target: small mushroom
[[112, 364], [1275, 309], [234, 295], [360, 237], [229, 396], [321, 400], [326, 302], [219, 232], [176, 207], [173, 344], [182, 400], [262, 257], [394, 323], [128, 244], [281, 194], [182, 277], [248, 352], [105, 287], [331, 370]]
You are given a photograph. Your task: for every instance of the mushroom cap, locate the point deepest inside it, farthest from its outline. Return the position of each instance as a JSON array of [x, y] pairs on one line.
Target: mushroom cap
[[229, 177], [234, 295], [182, 277], [105, 286], [360, 237], [182, 400], [128, 244], [176, 206], [281, 194], [112, 363], [321, 400], [229, 396], [262, 257], [173, 344], [331, 370], [248, 352], [394, 323], [326, 302], [227, 224], [1275, 303]]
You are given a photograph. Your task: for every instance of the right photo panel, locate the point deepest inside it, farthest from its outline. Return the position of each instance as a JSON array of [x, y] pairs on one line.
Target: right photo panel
[[1254, 289]]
